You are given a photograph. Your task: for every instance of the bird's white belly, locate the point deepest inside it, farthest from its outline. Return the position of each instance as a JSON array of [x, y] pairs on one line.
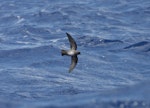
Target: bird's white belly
[[71, 53]]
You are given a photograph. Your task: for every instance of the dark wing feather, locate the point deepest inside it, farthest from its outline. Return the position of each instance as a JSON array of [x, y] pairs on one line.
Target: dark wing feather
[[74, 60], [73, 44]]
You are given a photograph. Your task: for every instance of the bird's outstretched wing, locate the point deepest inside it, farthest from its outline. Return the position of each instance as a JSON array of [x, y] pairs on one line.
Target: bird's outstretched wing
[[73, 44], [74, 60]]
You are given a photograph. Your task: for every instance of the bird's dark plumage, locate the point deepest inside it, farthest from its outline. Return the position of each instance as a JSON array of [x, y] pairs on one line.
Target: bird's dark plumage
[[74, 60], [73, 44]]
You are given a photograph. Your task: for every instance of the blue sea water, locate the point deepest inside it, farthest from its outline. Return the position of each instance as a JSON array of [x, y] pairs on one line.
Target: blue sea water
[[113, 70]]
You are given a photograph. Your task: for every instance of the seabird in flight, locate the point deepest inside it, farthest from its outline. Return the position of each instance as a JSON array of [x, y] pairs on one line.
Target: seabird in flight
[[72, 52]]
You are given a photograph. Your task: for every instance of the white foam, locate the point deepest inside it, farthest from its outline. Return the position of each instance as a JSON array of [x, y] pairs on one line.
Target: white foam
[[20, 19]]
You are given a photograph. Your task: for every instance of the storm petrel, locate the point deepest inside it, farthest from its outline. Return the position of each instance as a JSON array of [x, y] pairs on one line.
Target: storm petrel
[[72, 52]]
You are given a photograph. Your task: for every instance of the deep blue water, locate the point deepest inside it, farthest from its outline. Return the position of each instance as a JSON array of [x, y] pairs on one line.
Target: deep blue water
[[114, 66]]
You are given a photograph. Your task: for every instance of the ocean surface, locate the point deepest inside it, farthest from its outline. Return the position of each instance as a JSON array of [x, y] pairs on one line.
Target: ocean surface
[[113, 70]]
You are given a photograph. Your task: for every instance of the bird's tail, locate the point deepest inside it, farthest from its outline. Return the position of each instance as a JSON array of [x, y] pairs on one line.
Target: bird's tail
[[63, 52]]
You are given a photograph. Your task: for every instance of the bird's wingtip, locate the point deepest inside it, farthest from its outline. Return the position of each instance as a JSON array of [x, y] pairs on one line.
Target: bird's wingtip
[[68, 34], [69, 71]]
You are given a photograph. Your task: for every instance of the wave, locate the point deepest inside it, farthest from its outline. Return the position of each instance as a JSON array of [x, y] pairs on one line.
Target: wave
[[95, 41], [143, 46]]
